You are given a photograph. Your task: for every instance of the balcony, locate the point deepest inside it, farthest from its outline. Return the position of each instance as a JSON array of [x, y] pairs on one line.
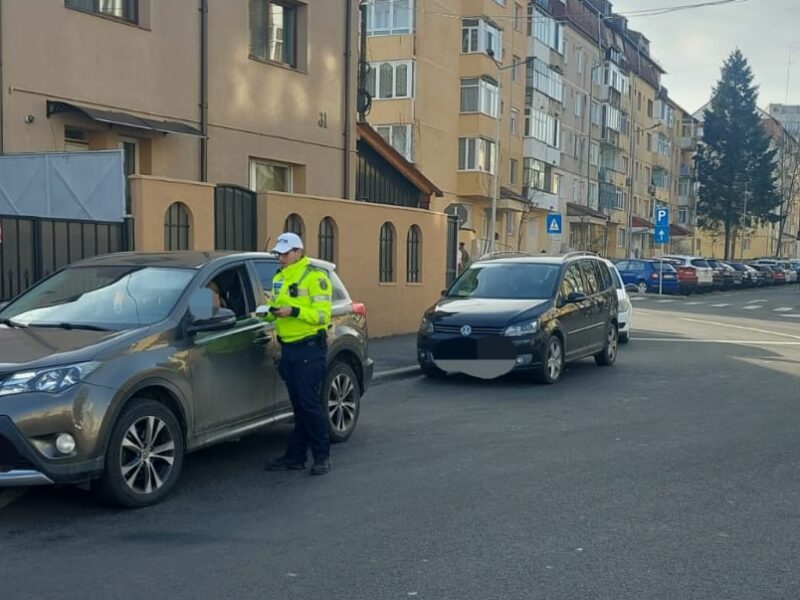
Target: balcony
[[533, 148], [609, 137], [687, 143]]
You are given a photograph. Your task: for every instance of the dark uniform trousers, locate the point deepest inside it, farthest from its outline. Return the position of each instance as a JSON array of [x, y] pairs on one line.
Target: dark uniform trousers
[[302, 367]]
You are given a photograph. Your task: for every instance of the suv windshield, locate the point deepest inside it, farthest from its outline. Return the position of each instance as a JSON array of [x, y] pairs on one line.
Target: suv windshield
[[101, 297], [521, 281]]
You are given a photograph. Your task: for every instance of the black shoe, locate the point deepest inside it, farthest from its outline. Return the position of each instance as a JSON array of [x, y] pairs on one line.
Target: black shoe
[[321, 468], [283, 464]]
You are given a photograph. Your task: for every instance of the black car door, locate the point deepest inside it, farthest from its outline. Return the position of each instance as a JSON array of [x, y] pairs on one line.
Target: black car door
[[574, 316], [233, 371], [598, 306]]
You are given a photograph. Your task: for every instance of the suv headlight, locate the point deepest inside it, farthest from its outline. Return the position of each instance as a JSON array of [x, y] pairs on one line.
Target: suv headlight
[[426, 326], [52, 380], [520, 329]]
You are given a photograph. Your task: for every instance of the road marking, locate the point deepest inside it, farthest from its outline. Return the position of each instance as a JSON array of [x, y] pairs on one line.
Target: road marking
[[754, 329], [720, 305], [637, 298], [784, 309], [756, 301], [751, 307], [10, 495], [694, 303], [735, 342], [791, 316], [665, 301]]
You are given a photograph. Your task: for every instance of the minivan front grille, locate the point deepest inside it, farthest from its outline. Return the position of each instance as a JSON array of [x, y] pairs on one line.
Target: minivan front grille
[[476, 329]]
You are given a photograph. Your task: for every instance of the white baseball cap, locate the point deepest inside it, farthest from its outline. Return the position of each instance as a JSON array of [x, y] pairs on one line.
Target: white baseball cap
[[287, 242]]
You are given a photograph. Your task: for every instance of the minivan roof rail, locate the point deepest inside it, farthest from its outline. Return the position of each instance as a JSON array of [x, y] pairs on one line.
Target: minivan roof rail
[[580, 253], [505, 254]]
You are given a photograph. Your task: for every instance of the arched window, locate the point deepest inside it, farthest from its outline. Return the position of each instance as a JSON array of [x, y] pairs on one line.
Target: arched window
[[386, 254], [327, 239], [294, 224], [176, 227], [414, 255]]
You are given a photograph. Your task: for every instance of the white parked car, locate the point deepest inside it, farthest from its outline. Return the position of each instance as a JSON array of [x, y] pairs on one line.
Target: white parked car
[[625, 312], [704, 271]]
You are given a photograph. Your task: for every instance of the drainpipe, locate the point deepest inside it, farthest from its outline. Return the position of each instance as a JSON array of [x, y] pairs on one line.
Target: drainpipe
[[204, 89], [2, 89], [348, 24]]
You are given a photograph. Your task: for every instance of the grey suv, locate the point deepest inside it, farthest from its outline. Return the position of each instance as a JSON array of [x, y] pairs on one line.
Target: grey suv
[[113, 368]]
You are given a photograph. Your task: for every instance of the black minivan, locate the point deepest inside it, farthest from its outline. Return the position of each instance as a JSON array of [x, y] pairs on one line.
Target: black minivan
[[529, 314]]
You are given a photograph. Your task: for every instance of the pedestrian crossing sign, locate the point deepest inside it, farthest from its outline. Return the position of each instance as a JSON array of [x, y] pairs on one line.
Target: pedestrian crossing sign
[[554, 224]]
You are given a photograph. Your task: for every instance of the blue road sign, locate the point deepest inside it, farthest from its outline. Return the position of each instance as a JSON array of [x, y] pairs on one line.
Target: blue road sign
[[554, 224], [661, 235], [662, 218]]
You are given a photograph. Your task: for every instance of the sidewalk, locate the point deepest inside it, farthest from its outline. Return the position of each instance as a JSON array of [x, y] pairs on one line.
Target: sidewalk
[[393, 355]]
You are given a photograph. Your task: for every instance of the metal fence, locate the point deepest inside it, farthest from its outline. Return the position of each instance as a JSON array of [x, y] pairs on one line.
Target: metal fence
[[33, 248]]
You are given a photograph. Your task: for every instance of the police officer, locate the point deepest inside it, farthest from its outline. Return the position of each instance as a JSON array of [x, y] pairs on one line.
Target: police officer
[[300, 307]]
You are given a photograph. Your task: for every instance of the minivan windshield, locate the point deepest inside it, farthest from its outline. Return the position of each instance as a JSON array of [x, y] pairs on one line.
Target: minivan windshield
[[520, 281], [101, 297]]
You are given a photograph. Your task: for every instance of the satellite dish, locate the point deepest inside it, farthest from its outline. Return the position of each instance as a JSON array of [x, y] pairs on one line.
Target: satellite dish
[[458, 210]]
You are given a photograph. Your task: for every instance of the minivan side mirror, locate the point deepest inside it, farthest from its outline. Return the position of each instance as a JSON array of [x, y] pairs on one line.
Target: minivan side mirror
[[575, 297]]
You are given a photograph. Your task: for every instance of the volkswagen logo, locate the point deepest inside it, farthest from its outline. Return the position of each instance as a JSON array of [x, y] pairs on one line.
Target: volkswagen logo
[[466, 331]]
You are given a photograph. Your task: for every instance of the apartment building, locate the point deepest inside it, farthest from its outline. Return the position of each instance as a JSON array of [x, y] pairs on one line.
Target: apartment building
[[259, 93], [788, 116], [448, 87]]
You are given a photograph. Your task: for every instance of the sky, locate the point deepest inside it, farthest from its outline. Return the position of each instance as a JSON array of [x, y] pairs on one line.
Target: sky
[[691, 45]]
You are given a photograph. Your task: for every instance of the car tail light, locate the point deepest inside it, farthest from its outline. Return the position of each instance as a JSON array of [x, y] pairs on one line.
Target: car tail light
[[654, 275], [360, 309]]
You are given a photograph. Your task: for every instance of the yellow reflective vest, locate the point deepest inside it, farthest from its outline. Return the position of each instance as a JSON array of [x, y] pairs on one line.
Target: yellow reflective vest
[[307, 290]]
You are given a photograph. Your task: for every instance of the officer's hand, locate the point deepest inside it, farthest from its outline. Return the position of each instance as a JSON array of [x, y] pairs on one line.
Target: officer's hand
[[283, 311]]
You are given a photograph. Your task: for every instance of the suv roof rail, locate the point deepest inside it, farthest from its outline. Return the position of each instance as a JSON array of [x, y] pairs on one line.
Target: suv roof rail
[[579, 253], [505, 254]]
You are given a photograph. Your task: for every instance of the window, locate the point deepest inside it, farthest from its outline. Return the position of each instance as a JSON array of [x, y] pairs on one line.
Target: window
[[510, 223], [682, 213], [176, 227], [572, 282], [327, 239], [479, 35], [273, 31], [663, 145], [594, 194], [479, 95], [386, 254], [535, 174], [548, 30], [518, 17], [545, 128], [512, 171], [579, 100], [595, 113], [391, 79], [621, 238], [649, 142], [75, 140], [126, 10], [541, 77], [516, 61], [130, 166], [575, 146], [270, 177], [649, 108], [590, 277], [555, 187], [389, 17], [476, 154], [594, 153], [413, 254], [615, 79], [294, 224], [579, 61], [399, 136], [514, 120]]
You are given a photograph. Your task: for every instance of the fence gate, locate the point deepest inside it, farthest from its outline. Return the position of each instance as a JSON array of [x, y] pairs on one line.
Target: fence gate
[[452, 249], [33, 248], [235, 218]]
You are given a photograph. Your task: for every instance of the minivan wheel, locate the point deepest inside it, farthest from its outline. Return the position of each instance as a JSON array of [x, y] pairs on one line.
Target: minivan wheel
[[608, 355], [144, 457], [341, 401], [553, 364]]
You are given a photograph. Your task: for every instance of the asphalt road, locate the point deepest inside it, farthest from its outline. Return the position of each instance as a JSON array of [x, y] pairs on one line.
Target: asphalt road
[[671, 475]]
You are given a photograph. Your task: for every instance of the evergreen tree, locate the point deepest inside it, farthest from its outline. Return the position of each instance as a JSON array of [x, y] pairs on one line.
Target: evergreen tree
[[736, 163]]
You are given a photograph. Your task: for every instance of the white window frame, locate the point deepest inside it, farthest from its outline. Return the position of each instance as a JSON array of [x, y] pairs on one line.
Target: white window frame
[[391, 131], [549, 31], [484, 31], [545, 80], [375, 79], [512, 171], [594, 154], [579, 99], [289, 179], [514, 120], [479, 155], [545, 128], [488, 95], [394, 8]]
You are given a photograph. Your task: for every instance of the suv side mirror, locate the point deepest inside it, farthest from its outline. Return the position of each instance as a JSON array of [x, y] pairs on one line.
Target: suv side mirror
[[223, 318]]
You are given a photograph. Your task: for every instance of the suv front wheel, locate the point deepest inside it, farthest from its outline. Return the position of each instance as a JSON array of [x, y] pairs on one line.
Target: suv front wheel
[[341, 401], [608, 355]]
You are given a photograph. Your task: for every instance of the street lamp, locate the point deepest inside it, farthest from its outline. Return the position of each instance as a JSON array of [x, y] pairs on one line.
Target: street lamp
[[495, 178]]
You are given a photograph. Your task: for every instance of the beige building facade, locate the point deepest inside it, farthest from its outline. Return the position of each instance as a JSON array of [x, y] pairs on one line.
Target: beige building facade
[[256, 93]]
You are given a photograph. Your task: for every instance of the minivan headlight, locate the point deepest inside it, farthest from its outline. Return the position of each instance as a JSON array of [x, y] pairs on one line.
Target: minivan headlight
[[52, 380], [426, 326], [624, 305], [519, 329]]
